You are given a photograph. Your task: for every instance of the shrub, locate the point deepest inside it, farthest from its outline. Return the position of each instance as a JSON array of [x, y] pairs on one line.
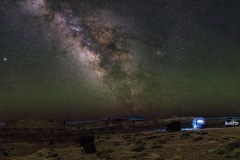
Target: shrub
[[197, 138], [156, 145], [52, 155], [139, 155], [116, 143], [127, 136], [137, 134], [185, 135], [138, 148], [236, 152], [139, 141], [4, 153], [168, 138], [40, 154], [177, 157], [98, 136], [151, 137], [233, 144], [174, 126], [229, 156], [88, 143], [162, 141], [51, 142], [85, 139], [104, 152], [227, 138], [160, 157], [108, 137], [201, 133], [220, 151], [89, 148]]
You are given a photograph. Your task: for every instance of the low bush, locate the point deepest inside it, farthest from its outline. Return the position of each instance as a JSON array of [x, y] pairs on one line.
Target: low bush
[[197, 138], [138, 148], [177, 157], [89, 148], [52, 155], [220, 151], [151, 137], [127, 136], [3, 152], [162, 141], [116, 143], [227, 138], [174, 126], [87, 142], [185, 135], [156, 145], [160, 157], [202, 133], [138, 141], [236, 152], [85, 139], [139, 155], [104, 152], [233, 144]]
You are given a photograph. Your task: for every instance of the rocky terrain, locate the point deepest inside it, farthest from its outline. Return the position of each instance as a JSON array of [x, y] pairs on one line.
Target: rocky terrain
[[115, 141]]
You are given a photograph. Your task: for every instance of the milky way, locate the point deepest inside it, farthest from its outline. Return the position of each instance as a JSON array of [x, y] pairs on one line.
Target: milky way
[[119, 57], [95, 38], [90, 38]]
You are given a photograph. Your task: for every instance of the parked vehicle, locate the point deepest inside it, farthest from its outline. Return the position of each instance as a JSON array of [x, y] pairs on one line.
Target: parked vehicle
[[231, 122], [198, 122]]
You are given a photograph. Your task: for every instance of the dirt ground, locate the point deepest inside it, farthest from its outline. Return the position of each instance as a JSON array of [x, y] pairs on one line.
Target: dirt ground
[[207, 144]]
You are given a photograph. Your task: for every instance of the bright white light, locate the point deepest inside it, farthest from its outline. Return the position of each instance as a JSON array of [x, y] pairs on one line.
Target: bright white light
[[5, 59], [199, 121]]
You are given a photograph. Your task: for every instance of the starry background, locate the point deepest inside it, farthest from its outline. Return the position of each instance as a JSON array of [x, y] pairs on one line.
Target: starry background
[[89, 59]]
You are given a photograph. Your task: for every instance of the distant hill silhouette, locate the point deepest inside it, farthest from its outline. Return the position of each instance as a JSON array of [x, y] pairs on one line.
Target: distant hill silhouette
[[36, 124]]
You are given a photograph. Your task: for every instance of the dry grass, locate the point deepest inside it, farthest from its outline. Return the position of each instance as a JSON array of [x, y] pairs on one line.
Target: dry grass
[[220, 144]]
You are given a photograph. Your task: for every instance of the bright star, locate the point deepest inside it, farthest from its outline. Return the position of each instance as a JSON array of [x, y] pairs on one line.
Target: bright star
[[5, 59]]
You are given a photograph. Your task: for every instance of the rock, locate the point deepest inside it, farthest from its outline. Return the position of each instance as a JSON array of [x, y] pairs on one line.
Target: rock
[[85, 139], [89, 148]]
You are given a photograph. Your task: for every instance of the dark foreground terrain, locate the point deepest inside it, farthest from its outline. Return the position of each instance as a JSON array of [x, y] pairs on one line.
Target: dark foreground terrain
[[117, 142]]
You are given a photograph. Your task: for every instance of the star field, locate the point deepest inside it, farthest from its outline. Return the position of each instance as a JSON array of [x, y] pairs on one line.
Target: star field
[[95, 59]]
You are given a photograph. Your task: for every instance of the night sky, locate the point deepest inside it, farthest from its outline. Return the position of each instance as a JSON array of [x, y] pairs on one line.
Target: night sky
[[89, 59]]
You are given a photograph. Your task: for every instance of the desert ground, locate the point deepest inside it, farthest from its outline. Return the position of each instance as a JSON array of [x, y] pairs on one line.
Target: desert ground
[[118, 142]]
